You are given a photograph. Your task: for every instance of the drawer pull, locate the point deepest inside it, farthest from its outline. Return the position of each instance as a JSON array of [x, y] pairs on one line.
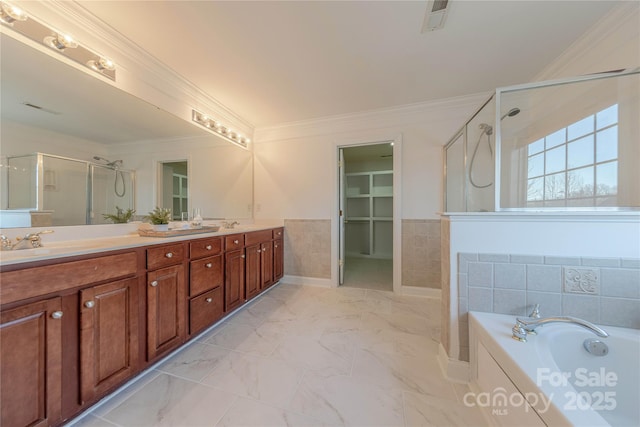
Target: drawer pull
[[208, 265], [208, 300], [154, 283], [169, 255], [57, 315], [235, 242], [208, 247], [89, 304]]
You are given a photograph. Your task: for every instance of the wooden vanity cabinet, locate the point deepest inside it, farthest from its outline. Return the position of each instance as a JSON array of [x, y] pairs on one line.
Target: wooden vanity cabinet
[[206, 280], [31, 364], [253, 278], [278, 259], [108, 336], [233, 279], [166, 300]]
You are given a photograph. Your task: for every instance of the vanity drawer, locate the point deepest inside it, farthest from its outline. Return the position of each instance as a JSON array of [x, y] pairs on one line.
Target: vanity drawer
[[31, 282], [257, 237], [233, 241], [278, 233], [205, 309], [205, 274], [164, 256], [205, 247]]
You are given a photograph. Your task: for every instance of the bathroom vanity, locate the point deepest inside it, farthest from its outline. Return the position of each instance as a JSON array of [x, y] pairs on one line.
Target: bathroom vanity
[[73, 328]]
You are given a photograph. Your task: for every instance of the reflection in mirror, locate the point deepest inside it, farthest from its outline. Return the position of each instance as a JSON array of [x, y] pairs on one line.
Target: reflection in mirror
[[173, 188], [49, 106], [575, 144]]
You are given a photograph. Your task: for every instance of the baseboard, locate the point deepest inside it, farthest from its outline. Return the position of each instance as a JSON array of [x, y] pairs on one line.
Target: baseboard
[[454, 370], [421, 292], [307, 281]]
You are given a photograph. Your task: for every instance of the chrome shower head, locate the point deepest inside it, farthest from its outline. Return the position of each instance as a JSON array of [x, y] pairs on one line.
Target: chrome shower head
[[511, 113]]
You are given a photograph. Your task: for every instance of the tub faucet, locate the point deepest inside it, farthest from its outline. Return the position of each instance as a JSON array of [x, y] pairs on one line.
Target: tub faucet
[[529, 325], [30, 241]]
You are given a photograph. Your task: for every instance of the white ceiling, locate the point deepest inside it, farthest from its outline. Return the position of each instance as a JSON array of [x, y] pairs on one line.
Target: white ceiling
[[275, 62]]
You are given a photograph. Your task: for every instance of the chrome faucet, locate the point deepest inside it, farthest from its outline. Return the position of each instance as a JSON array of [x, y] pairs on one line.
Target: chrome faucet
[[229, 224], [526, 326], [30, 241]]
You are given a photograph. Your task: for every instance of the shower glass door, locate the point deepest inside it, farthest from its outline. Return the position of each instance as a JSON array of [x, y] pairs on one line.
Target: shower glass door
[[110, 189]]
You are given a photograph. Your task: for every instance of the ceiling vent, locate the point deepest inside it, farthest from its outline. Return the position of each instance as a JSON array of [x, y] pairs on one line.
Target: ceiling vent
[[436, 15]]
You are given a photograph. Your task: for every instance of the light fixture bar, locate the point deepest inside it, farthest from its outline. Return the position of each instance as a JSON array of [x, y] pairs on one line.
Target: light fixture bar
[[36, 30], [217, 128]]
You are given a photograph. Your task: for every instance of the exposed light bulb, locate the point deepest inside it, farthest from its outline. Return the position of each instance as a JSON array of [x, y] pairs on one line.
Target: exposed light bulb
[[9, 14], [60, 41]]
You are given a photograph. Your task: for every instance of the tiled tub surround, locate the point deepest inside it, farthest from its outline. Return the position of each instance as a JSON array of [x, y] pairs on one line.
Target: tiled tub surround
[[421, 253], [303, 356], [605, 291], [307, 248]]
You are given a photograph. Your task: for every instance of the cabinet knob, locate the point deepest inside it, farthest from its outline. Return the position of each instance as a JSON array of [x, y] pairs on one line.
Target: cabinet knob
[[208, 247], [259, 251], [89, 304], [275, 246], [242, 256], [57, 315], [209, 300], [236, 241], [154, 283], [265, 249], [169, 255], [208, 265], [279, 233]]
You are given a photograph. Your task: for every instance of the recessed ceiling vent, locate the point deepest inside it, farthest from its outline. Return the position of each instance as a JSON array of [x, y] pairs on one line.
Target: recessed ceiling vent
[[436, 15], [38, 107]]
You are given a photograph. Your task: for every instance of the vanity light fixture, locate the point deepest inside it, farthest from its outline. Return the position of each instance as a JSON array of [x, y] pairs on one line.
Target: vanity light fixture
[[64, 44], [60, 41], [219, 129], [9, 14]]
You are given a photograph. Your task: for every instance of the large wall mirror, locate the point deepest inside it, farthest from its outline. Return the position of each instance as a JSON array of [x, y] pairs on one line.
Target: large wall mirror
[[74, 147]]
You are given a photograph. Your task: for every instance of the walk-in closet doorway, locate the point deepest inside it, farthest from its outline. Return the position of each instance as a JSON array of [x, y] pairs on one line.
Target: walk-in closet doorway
[[366, 216]]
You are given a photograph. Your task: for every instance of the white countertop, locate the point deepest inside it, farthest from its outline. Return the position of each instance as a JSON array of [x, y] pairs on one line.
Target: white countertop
[[91, 240]]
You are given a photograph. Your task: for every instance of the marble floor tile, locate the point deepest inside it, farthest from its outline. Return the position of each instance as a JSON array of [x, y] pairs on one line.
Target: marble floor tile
[[250, 413], [92, 421], [194, 362], [125, 392], [172, 401], [422, 410], [345, 401], [245, 338], [330, 356], [268, 380], [403, 373]]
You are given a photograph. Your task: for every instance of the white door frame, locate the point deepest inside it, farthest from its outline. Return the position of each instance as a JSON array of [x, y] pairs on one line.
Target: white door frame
[[397, 206]]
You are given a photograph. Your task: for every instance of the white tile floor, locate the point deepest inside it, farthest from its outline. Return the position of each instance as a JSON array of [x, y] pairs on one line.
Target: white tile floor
[[303, 356]]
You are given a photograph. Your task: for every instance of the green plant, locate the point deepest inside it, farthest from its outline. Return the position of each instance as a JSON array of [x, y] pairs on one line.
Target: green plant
[[159, 216], [121, 216]]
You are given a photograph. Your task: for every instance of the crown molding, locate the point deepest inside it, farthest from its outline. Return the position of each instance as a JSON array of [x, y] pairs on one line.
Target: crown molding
[[402, 115], [600, 31], [140, 63]]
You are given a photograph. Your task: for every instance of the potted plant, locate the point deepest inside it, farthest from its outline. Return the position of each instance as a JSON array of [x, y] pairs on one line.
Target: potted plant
[[121, 216], [160, 218]]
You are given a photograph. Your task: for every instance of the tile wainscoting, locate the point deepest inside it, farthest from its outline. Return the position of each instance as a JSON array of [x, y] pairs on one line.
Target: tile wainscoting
[[601, 290], [307, 248], [421, 253]]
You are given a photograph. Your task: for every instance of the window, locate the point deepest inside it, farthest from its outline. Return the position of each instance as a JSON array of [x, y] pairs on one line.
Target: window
[[576, 165]]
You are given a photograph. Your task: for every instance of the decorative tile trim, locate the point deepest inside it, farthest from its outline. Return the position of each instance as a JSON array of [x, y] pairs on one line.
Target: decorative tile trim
[[579, 280]]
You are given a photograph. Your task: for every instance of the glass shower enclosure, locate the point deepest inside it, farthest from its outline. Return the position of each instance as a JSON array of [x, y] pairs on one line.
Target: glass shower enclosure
[[66, 191], [570, 144]]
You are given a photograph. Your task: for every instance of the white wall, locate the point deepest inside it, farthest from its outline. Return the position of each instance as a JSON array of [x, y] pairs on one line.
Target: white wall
[[295, 164]]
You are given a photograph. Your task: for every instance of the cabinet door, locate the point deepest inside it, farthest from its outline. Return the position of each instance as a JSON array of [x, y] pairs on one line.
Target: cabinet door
[[252, 278], [30, 364], [234, 279], [278, 260], [166, 310], [266, 264], [108, 336]]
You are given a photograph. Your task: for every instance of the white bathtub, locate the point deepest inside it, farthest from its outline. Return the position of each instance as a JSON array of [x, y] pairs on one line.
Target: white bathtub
[[561, 382]]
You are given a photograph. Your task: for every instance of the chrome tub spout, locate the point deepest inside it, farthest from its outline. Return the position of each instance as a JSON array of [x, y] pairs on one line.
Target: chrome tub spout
[[526, 326]]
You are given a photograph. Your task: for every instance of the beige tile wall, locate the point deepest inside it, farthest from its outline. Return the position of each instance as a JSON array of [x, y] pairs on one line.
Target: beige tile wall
[[421, 253], [446, 282], [307, 248]]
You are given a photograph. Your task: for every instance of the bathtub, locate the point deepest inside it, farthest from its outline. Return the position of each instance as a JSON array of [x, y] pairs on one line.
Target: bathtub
[[551, 379]]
